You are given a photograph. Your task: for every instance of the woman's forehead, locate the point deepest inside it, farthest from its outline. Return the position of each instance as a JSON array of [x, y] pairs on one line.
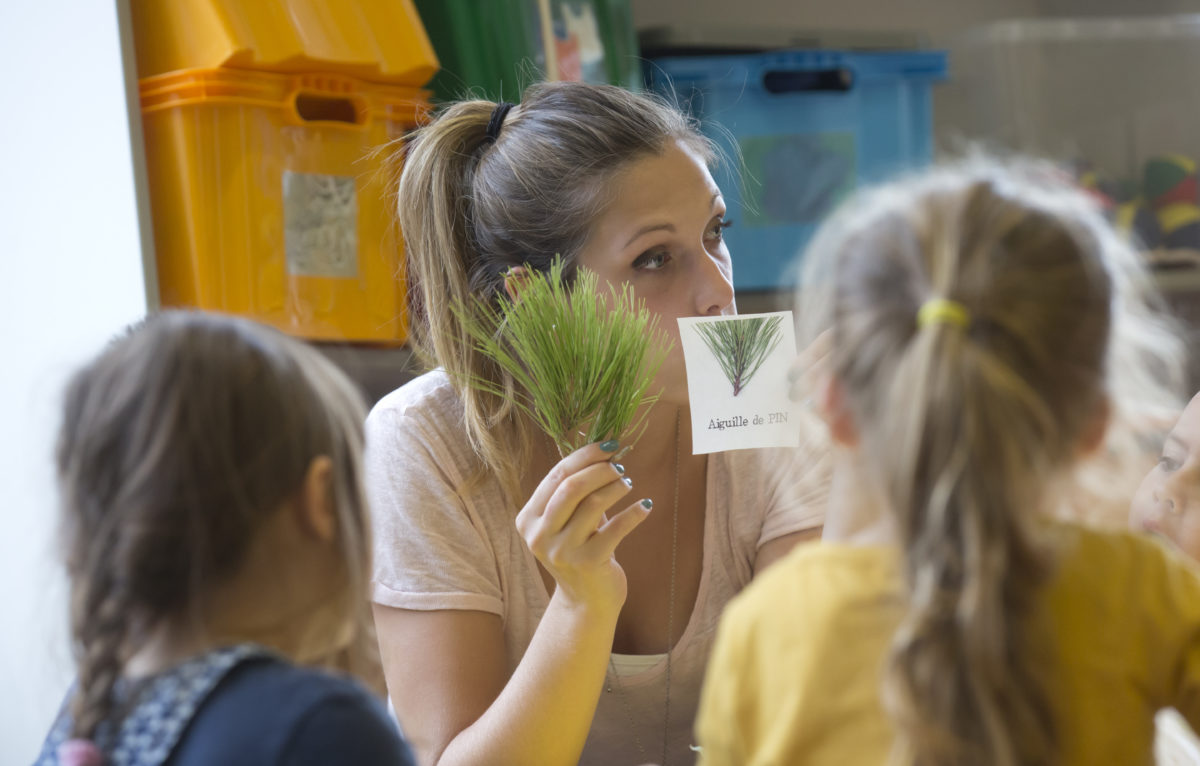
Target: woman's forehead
[[672, 183]]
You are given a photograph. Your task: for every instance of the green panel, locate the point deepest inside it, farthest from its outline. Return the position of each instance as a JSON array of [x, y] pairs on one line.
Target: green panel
[[622, 57], [493, 48], [487, 48]]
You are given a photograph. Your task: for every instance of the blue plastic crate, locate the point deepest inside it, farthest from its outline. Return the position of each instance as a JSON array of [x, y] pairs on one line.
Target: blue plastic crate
[[809, 126]]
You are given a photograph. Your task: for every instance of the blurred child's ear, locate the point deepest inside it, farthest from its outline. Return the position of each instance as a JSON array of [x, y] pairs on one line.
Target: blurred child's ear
[[830, 402], [1092, 437], [318, 516]]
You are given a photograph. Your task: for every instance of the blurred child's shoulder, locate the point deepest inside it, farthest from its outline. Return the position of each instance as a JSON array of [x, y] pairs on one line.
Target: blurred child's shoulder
[[265, 704], [273, 678], [1131, 588], [1114, 561], [823, 579], [1089, 544]]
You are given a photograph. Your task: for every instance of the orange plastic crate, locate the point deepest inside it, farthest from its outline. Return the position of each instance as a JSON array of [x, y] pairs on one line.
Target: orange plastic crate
[[374, 40], [268, 201]]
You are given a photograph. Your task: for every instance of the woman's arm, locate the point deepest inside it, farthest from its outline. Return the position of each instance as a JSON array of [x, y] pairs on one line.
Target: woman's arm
[[446, 670], [447, 678]]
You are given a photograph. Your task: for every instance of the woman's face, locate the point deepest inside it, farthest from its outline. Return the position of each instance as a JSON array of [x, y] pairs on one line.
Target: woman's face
[[662, 233], [1168, 500]]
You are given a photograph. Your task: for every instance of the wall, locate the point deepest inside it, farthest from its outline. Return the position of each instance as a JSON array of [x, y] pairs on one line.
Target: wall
[[70, 276], [1099, 80], [935, 17], [1059, 8]]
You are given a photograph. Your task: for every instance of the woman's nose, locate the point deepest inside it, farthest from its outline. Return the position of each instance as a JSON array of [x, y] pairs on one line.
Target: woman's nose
[[714, 293]]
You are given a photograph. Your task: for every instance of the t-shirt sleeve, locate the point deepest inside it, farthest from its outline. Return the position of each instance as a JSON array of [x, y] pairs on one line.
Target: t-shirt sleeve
[[795, 490], [431, 551], [346, 728]]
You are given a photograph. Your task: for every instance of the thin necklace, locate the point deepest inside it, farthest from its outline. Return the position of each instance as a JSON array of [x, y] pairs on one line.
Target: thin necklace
[[670, 629]]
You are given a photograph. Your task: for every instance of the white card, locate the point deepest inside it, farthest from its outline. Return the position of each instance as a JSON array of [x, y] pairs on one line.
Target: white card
[[749, 353]]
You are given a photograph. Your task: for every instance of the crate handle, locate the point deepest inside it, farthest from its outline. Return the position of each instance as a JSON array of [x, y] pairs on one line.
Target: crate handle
[[808, 81], [316, 107]]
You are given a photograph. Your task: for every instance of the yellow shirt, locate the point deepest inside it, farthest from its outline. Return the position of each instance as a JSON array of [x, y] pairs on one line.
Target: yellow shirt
[[795, 673]]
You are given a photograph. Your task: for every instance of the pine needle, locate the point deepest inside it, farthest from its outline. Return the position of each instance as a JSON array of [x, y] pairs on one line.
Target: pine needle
[[741, 346], [582, 363]]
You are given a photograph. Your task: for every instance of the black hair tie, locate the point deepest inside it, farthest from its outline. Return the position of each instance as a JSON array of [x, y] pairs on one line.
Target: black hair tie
[[497, 120]]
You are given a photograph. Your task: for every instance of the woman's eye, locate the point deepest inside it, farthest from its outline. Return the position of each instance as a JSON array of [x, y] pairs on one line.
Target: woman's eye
[[1167, 464], [717, 232], [652, 260]]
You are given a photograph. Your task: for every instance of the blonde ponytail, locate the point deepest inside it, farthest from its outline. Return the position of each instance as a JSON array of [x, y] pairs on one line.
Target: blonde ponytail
[[436, 216], [958, 679]]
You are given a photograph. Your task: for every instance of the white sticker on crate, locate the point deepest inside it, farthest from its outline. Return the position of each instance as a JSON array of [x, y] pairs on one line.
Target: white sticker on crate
[[320, 214]]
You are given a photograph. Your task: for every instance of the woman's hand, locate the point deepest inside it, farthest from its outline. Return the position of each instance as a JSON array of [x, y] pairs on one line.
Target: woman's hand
[[565, 525]]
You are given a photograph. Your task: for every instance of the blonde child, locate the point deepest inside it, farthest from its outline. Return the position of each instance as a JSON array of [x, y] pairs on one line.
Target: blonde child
[[979, 323], [1168, 501], [216, 541], [1166, 505]]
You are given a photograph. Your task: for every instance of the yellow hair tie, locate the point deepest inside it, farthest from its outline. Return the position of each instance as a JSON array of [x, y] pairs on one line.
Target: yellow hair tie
[[937, 310]]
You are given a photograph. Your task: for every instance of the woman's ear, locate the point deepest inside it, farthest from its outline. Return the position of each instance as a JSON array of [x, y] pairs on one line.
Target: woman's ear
[[515, 280], [315, 504], [830, 402]]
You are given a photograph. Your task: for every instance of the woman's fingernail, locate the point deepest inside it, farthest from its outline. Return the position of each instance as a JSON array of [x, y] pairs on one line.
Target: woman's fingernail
[[609, 446], [628, 482], [647, 503], [620, 468]]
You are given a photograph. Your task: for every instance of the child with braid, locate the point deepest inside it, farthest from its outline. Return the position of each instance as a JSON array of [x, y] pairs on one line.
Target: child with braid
[[981, 326], [216, 541]]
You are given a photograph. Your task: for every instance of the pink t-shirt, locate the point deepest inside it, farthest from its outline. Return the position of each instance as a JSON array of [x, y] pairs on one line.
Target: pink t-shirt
[[438, 546]]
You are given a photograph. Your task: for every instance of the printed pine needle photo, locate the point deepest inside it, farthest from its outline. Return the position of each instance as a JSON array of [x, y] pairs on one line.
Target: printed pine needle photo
[[741, 346]]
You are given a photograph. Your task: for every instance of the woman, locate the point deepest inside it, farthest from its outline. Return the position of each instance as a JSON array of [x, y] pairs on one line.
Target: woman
[[510, 633]]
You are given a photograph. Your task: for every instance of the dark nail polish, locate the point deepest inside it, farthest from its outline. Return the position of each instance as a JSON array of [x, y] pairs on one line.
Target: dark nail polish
[[628, 482], [609, 446], [647, 504], [620, 468]]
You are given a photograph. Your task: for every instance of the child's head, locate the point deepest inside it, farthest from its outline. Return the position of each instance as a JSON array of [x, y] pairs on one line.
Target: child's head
[[972, 314], [1168, 501], [179, 443]]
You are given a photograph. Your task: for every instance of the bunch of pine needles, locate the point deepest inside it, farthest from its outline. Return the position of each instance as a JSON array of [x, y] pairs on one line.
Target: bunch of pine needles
[[741, 346], [582, 360]]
